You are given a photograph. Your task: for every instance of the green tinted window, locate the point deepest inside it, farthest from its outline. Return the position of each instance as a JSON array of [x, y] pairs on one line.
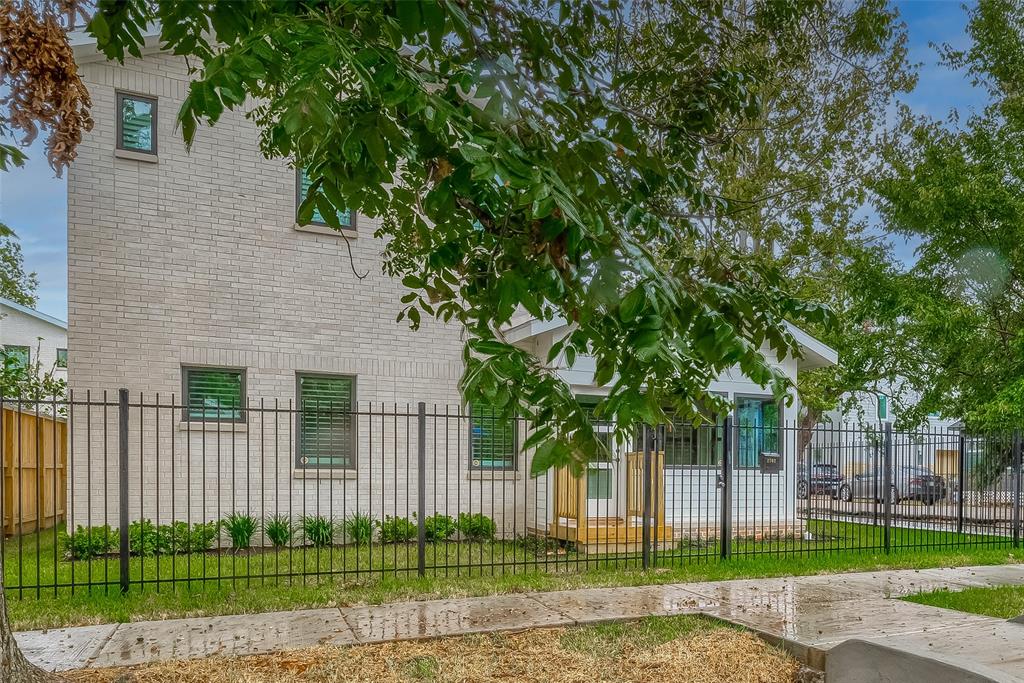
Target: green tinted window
[[62, 358], [137, 123], [17, 357], [758, 421], [213, 394], [344, 217], [599, 483], [492, 444], [326, 421]]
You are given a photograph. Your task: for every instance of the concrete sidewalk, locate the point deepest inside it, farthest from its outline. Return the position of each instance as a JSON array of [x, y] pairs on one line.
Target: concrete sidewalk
[[807, 615]]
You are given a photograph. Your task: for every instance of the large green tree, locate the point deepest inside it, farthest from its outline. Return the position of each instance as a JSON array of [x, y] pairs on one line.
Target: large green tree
[[515, 157], [16, 283], [959, 190], [796, 180]]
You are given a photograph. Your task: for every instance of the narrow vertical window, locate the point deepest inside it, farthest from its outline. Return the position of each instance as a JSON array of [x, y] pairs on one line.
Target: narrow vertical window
[[62, 358], [492, 444], [136, 123], [758, 422], [327, 422]]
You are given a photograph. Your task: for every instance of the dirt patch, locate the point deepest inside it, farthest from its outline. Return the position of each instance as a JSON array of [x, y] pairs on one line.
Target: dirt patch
[[706, 655]]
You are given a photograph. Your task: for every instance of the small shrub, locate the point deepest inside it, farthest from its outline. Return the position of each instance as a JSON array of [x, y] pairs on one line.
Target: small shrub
[[202, 536], [359, 529], [172, 539], [439, 528], [539, 545], [318, 531], [142, 538], [89, 542], [397, 530], [476, 527], [279, 530], [240, 528]]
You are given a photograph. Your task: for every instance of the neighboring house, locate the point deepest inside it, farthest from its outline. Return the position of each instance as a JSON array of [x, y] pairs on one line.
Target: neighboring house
[[189, 278], [851, 437], [30, 337]]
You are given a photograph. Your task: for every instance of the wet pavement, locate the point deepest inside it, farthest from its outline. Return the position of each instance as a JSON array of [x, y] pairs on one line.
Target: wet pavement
[[807, 615]]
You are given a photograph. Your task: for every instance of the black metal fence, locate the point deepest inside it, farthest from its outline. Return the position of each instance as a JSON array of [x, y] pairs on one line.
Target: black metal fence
[[159, 494]]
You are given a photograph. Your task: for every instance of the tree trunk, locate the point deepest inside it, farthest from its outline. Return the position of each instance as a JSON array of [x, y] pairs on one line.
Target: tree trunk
[[806, 430], [14, 668]]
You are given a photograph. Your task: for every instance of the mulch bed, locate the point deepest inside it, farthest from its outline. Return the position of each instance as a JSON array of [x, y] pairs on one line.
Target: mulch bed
[[708, 656]]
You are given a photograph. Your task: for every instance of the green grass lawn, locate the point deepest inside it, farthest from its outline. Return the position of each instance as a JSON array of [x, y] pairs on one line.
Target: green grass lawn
[[225, 583], [1004, 602]]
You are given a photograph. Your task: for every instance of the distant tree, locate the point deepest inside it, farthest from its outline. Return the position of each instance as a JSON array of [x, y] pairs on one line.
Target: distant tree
[[959, 189], [796, 179], [15, 284]]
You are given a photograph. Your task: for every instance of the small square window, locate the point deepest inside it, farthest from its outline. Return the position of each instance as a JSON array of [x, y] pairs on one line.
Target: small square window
[[302, 185], [214, 395], [62, 358], [136, 123]]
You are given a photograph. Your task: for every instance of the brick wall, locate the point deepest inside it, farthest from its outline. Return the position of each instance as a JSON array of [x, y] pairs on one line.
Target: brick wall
[[195, 260]]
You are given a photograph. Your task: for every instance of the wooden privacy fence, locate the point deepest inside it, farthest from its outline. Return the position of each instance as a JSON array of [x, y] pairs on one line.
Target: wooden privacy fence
[[35, 476]]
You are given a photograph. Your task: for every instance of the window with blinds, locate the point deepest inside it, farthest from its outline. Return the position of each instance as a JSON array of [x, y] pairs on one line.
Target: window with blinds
[[492, 442], [214, 395], [136, 123], [326, 433], [302, 185]]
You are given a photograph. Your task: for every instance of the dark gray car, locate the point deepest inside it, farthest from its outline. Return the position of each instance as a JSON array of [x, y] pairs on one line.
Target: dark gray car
[[908, 483]]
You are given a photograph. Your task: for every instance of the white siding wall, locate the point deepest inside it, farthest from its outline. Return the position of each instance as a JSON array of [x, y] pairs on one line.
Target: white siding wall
[[43, 338]]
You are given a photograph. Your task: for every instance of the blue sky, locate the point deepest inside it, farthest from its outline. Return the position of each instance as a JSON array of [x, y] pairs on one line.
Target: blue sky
[[34, 203]]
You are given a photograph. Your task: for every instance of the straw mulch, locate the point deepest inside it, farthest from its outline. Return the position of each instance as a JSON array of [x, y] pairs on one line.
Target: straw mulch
[[710, 656]]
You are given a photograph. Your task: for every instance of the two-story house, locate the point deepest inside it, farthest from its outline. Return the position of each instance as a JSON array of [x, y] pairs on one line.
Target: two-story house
[[190, 281]]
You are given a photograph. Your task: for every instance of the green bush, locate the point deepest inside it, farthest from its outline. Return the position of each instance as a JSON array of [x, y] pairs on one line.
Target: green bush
[[173, 538], [439, 528], [89, 542], [397, 530], [142, 538], [476, 527], [359, 529], [202, 536], [279, 530], [240, 528], [317, 530]]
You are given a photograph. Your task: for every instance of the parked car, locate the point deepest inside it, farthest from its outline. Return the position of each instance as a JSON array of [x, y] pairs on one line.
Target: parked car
[[907, 483], [825, 480]]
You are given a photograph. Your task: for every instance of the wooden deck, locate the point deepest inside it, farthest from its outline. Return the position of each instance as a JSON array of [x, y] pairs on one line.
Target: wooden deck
[[608, 534]]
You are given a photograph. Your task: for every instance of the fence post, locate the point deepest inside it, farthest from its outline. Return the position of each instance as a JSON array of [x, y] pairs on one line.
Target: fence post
[[961, 473], [421, 490], [1016, 488], [646, 532], [122, 480], [887, 487], [725, 483]]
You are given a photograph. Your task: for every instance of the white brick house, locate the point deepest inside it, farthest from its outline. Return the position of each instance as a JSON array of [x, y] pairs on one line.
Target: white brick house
[[34, 337], [187, 264]]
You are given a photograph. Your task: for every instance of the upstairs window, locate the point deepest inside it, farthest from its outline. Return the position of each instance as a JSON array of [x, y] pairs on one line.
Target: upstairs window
[[327, 423], [136, 123], [214, 395], [492, 442], [62, 358], [302, 185]]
